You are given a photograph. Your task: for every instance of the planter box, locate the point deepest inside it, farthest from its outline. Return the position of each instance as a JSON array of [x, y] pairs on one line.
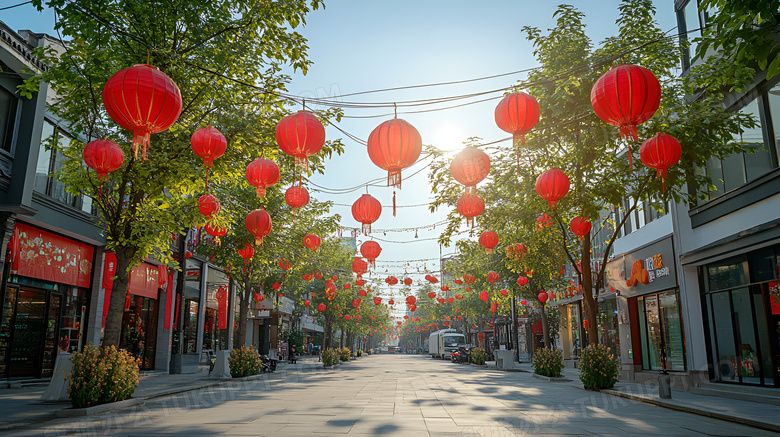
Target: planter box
[[552, 378]]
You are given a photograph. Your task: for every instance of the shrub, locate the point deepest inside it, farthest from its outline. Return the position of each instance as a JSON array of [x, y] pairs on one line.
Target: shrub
[[478, 355], [330, 357], [344, 354], [599, 368], [548, 362], [244, 361], [100, 376]]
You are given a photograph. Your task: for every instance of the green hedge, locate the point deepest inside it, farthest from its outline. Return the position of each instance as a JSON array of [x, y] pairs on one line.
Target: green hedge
[[599, 368], [548, 362], [101, 376]]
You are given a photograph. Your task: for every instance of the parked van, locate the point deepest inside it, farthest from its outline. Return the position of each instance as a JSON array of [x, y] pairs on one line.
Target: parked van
[[442, 343]]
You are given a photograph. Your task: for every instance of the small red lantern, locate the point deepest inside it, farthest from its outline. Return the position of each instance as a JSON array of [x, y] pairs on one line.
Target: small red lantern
[[103, 156], [208, 143], [580, 226], [366, 210], [247, 252], [488, 240], [660, 152], [552, 185], [362, 293], [493, 308], [258, 297], [411, 300], [377, 301], [144, 100], [522, 281], [262, 173], [394, 145], [542, 296], [470, 206], [370, 251], [215, 231], [431, 279], [445, 288], [517, 114], [503, 292], [284, 264], [469, 279], [296, 196], [493, 277], [391, 301], [312, 241], [276, 286], [450, 300], [359, 266], [300, 135], [470, 167], [408, 281], [306, 303], [258, 223], [208, 205], [321, 307], [484, 296], [432, 294], [523, 302], [458, 296]]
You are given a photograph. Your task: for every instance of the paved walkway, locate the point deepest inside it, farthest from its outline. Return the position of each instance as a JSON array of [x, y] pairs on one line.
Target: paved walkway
[[392, 395]]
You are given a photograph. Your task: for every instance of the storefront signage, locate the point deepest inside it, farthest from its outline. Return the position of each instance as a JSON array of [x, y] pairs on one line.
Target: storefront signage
[[286, 305], [309, 323], [222, 311], [43, 255], [646, 270]]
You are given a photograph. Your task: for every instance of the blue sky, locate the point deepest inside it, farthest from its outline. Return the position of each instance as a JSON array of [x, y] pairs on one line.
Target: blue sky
[[360, 45]]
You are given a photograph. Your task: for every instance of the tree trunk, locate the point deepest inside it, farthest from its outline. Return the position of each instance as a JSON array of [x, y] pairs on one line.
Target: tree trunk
[[591, 308], [545, 328], [239, 337], [116, 308]]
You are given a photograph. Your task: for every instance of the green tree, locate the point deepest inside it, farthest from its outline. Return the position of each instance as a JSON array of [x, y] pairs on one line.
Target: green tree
[[226, 57]]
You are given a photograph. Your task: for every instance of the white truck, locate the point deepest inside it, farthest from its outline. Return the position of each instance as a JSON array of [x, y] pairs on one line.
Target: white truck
[[442, 343]]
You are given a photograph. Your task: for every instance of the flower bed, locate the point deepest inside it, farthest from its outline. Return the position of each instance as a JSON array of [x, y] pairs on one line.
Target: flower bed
[[330, 357], [101, 376], [599, 368], [548, 362], [244, 361], [478, 356]]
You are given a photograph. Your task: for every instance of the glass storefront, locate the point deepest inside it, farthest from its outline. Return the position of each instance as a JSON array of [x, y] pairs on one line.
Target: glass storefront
[[139, 329], [214, 338], [191, 305], [660, 331], [744, 318]]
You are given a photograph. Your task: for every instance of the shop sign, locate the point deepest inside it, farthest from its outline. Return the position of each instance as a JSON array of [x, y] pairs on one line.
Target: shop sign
[[646, 270], [286, 305], [309, 323], [43, 255]]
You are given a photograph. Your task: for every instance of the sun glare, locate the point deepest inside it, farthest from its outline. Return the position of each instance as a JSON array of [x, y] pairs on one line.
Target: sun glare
[[449, 138]]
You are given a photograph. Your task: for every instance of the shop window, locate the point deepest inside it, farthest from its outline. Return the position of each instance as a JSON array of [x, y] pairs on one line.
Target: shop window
[[192, 284], [661, 334], [690, 29], [725, 274], [773, 98], [608, 324], [8, 105]]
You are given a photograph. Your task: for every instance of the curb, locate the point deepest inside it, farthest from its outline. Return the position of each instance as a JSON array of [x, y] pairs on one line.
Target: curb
[[97, 409], [694, 410], [552, 378]]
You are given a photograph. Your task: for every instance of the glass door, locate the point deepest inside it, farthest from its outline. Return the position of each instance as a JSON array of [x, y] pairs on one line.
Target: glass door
[[29, 329], [6, 328]]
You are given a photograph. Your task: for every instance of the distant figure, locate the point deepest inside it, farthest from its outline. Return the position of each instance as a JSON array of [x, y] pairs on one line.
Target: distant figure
[[311, 347], [292, 355]]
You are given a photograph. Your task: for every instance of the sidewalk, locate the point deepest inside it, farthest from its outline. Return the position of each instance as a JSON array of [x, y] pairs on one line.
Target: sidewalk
[[754, 414]]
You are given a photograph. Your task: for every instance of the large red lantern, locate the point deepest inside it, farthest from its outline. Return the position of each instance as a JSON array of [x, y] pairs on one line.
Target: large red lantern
[[258, 223], [359, 266], [625, 96], [393, 146], [215, 231], [470, 167], [660, 152], [262, 173], [488, 240], [470, 206], [209, 144], [366, 210], [552, 185], [411, 300], [300, 135], [493, 277], [144, 100], [247, 252], [484, 296], [580, 226], [312, 241], [208, 204], [103, 156], [522, 281], [296, 196], [517, 114], [370, 251], [321, 307]]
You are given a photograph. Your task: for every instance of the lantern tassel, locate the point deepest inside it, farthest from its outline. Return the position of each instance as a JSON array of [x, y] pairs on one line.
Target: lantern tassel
[[394, 178], [393, 203], [260, 192], [140, 138], [366, 228]]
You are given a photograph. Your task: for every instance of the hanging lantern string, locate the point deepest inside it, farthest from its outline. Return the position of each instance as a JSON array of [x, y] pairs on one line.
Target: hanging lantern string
[[373, 182]]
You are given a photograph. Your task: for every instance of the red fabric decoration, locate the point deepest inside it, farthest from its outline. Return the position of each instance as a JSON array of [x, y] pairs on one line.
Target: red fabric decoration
[[484, 296], [296, 196], [262, 173], [393, 146], [488, 240], [247, 252], [103, 156], [580, 226], [144, 100], [312, 241], [209, 144], [660, 152], [470, 206], [517, 114], [214, 230], [470, 167], [366, 210], [370, 251], [321, 307], [300, 135], [626, 96], [258, 223], [208, 205], [493, 277], [552, 185]]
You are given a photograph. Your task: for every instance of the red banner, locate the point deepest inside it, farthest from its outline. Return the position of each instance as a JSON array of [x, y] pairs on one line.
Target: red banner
[[222, 312], [42, 255], [144, 281], [109, 270]]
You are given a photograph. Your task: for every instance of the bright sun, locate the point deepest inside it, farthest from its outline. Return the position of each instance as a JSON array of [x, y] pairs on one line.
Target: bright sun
[[448, 138]]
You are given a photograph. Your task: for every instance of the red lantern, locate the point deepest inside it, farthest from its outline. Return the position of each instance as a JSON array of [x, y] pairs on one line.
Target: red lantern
[[393, 146], [362, 293], [359, 282], [359, 266], [408, 281], [488, 240], [493, 308], [522, 281], [306, 303], [300, 135], [366, 210], [493, 277], [580, 226], [258, 297], [103, 156], [503, 292], [296, 196], [470, 167], [542, 296], [431, 279], [432, 294], [144, 100], [484, 296], [470, 206], [445, 288], [450, 299], [523, 302], [276, 286], [517, 114], [469, 279], [247, 252], [208, 205], [284, 264], [312, 241], [215, 231], [370, 251], [625, 96], [391, 301], [262, 173], [321, 307], [258, 223], [391, 280], [377, 301], [552, 185], [209, 144], [660, 152], [458, 296], [411, 300]]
